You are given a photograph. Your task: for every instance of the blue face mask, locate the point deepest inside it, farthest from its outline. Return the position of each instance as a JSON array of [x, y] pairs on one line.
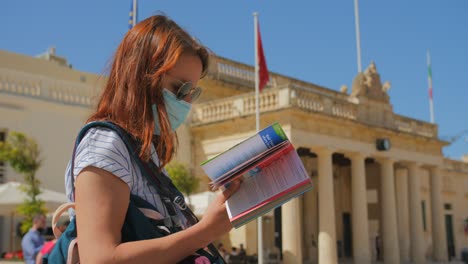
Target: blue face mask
[[177, 110]]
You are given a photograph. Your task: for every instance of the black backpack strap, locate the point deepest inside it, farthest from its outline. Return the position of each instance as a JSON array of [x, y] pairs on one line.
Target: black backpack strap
[[176, 197], [169, 192]]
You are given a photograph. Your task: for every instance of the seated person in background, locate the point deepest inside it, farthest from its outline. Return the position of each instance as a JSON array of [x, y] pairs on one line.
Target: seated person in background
[[48, 246], [32, 242]]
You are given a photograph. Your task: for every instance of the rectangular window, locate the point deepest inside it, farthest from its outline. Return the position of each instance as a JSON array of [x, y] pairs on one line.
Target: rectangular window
[[423, 207], [2, 165], [447, 206]]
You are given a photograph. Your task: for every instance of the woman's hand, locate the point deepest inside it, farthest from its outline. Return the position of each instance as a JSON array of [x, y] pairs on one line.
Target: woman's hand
[[216, 220]]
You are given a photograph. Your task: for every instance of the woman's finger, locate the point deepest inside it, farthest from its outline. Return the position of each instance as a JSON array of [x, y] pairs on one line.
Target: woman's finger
[[231, 188]]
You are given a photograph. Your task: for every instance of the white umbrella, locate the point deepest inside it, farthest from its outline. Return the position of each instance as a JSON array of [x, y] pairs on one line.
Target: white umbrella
[[201, 201], [11, 196]]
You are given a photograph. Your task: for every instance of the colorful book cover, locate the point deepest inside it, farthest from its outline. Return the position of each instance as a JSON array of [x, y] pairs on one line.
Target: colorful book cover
[[245, 150]]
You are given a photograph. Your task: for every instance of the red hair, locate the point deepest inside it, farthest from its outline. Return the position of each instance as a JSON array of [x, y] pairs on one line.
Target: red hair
[[149, 50]]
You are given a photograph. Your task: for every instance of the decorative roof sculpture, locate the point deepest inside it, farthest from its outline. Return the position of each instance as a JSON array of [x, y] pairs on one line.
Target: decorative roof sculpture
[[368, 84]]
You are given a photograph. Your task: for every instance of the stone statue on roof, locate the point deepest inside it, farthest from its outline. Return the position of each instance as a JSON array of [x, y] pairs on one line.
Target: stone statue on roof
[[368, 84]]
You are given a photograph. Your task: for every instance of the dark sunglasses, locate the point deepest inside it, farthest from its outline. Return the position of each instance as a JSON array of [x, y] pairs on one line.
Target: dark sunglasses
[[187, 90]]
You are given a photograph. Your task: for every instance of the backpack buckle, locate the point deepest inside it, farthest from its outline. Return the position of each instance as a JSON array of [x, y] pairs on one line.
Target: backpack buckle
[[180, 202]]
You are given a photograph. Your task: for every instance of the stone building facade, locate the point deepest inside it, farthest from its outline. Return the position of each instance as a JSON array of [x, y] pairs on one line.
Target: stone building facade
[[379, 178]]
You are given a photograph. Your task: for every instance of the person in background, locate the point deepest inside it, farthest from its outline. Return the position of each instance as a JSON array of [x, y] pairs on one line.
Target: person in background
[[377, 247], [33, 240], [242, 252], [222, 250], [234, 251], [48, 246]]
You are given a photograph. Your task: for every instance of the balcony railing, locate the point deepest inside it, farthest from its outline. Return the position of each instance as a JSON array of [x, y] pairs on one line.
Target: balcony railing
[[235, 72], [455, 165], [414, 126], [271, 100], [42, 87], [234, 107], [309, 100]]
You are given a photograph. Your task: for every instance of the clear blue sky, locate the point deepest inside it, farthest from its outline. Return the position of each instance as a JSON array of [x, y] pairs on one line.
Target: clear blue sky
[[309, 40]]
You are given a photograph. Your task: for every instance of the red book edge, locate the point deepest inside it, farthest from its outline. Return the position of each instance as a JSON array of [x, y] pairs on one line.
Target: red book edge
[[277, 196], [261, 211]]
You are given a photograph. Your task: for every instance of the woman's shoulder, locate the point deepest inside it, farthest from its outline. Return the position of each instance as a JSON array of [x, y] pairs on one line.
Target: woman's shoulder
[[102, 138], [100, 145], [103, 148], [101, 134]]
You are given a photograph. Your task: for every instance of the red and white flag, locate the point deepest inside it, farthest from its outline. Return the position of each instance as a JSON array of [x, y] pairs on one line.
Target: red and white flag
[[264, 77]]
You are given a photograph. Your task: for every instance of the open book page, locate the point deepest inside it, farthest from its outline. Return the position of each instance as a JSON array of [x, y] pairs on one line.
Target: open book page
[[267, 182], [264, 158], [251, 147], [271, 204]]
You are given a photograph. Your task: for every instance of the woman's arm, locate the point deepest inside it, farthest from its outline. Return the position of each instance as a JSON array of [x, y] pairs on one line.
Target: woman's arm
[[101, 204], [39, 258]]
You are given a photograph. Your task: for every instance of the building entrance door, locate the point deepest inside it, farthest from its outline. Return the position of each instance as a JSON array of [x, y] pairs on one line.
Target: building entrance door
[[450, 238], [278, 231], [347, 236]]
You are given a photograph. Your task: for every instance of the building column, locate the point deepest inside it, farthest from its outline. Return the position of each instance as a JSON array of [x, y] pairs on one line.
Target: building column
[[418, 255], [361, 250], [401, 181], [391, 251], [291, 226], [439, 240], [327, 225], [310, 226]]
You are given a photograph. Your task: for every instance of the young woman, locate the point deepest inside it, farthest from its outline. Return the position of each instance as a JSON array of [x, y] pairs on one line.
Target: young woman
[[150, 88]]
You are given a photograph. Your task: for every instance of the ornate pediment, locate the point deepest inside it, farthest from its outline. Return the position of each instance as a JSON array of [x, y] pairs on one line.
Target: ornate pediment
[[368, 84]]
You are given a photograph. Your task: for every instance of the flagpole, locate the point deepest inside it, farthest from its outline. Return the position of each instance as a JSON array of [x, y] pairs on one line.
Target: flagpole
[[134, 12], [257, 76], [429, 80], [257, 128], [358, 35]]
